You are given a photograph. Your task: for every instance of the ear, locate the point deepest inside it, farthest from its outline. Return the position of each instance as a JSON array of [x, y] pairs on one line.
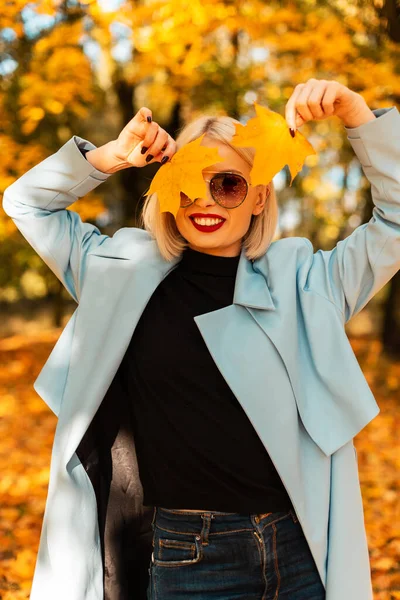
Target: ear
[[262, 195]]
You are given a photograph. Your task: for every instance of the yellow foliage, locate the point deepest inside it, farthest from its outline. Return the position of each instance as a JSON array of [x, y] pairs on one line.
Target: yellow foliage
[[60, 77], [17, 158], [89, 207]]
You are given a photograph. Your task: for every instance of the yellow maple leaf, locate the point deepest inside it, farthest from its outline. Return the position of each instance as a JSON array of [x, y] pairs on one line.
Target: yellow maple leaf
[[183, 173], [268, 133]]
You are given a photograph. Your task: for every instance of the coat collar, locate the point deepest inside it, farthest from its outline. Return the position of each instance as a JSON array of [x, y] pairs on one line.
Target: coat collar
[[251, 289]]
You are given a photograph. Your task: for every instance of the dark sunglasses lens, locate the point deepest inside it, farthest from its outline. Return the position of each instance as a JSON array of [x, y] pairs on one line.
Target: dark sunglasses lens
[[228, 189]]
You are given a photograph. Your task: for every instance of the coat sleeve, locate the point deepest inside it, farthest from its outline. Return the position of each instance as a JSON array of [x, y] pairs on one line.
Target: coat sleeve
[[361, 264], [37, 203]]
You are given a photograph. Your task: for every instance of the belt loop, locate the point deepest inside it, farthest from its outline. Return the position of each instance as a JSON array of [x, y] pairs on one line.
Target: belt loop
[[206, 527]]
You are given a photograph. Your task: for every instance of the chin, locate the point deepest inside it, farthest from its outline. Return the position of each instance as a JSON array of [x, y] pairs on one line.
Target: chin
[[205, 243]]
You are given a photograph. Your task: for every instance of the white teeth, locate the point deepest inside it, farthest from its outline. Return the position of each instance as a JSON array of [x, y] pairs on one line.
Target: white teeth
[[207, 221]]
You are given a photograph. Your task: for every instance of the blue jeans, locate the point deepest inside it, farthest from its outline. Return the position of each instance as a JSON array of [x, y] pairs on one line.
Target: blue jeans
[[224, 556]]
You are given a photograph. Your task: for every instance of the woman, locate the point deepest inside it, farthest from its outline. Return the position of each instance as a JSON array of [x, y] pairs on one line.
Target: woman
[[238, 396]]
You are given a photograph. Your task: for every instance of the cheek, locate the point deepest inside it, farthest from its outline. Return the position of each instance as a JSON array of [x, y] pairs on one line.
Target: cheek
[[182, 224], [179, 219], [242, 218]]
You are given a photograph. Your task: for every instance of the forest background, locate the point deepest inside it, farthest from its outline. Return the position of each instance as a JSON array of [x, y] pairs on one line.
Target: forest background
[[70, 67]]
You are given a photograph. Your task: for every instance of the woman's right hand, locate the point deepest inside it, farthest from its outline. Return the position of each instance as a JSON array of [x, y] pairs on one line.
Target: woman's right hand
[[141, 133]]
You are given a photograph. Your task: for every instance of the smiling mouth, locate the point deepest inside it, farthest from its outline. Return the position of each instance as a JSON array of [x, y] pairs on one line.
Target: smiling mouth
[[207, 228]]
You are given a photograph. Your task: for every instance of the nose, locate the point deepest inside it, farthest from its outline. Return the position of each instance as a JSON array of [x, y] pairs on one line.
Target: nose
[[207, 201]]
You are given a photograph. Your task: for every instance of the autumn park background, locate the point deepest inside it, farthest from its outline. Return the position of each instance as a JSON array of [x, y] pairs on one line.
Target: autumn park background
[[85, 67]]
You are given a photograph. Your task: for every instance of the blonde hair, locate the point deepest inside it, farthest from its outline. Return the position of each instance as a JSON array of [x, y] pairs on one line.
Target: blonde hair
[[162, 226]]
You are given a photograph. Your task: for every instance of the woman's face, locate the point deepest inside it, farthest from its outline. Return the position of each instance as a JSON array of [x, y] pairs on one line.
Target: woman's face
[[225, 241]]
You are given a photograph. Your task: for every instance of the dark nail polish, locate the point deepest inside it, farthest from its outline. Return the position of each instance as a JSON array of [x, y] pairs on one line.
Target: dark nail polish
[[165, 147], [164, 160], [144, 150], [291, 132], [149, 158], [149, 119]]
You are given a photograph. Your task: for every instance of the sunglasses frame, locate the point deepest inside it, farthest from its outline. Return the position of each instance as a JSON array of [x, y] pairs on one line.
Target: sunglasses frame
[[217, 174]]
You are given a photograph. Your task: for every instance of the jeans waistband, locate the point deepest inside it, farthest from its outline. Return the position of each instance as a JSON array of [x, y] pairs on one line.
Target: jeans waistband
[[228, 518], [196, 512]]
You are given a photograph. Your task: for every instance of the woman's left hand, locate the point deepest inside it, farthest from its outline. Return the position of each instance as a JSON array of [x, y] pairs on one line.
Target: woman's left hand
[[321, 99]]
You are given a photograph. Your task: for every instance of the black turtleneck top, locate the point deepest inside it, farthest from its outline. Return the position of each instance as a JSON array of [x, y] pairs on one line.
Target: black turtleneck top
[[196, 447]]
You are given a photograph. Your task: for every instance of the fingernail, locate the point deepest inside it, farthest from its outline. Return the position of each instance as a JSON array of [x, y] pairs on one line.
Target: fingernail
[[164, 160], [162, 149], [149, 158], [144, 150], [291, 132], [149, 119]]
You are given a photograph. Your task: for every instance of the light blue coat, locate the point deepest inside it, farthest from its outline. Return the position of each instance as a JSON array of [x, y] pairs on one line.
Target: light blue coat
[[281, 346]]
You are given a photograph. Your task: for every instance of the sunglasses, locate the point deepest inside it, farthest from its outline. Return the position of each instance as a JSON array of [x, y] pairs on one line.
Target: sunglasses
[[227, 189]]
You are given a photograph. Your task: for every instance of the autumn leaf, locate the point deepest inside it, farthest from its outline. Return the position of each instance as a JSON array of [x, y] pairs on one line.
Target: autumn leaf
[[183, 173], [268, 133]]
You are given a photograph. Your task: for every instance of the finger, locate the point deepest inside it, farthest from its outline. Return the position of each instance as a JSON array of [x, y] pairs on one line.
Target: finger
[[315, 99], [159, 142], [138, 125], [290, 108], [150, 136], [169, 151], [328, 100], [144, 114], [302, 102]]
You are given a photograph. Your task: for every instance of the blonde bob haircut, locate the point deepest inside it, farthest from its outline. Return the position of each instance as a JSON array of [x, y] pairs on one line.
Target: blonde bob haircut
[[162, 226]]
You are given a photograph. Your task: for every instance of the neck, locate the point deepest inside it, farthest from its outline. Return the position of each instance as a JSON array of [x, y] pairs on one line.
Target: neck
[[228, 251]]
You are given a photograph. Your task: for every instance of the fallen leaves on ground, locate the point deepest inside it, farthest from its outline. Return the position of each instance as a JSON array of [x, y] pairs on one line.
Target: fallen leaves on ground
[[27, 428]]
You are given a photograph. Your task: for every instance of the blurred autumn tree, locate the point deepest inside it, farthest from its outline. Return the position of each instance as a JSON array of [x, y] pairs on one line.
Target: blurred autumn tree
[[69, 66]]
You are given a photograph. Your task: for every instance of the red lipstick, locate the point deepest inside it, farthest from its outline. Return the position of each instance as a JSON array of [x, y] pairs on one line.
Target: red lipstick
[[207, 228]]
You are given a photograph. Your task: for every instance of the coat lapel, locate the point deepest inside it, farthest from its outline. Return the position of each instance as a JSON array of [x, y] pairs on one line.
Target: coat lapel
[[279, 355]]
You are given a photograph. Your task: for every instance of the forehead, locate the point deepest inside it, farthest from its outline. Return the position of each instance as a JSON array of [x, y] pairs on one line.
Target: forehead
[[231, 160]]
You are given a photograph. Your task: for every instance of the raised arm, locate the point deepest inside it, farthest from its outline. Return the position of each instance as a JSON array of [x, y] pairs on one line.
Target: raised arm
[[361, 264], [37, 202]]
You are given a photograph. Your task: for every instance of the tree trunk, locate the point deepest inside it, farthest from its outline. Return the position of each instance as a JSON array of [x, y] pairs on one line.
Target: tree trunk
[[58, 305], [391, 12], [368, 206], [129, 178], [391, 322], [175, 121], [390, 335]]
